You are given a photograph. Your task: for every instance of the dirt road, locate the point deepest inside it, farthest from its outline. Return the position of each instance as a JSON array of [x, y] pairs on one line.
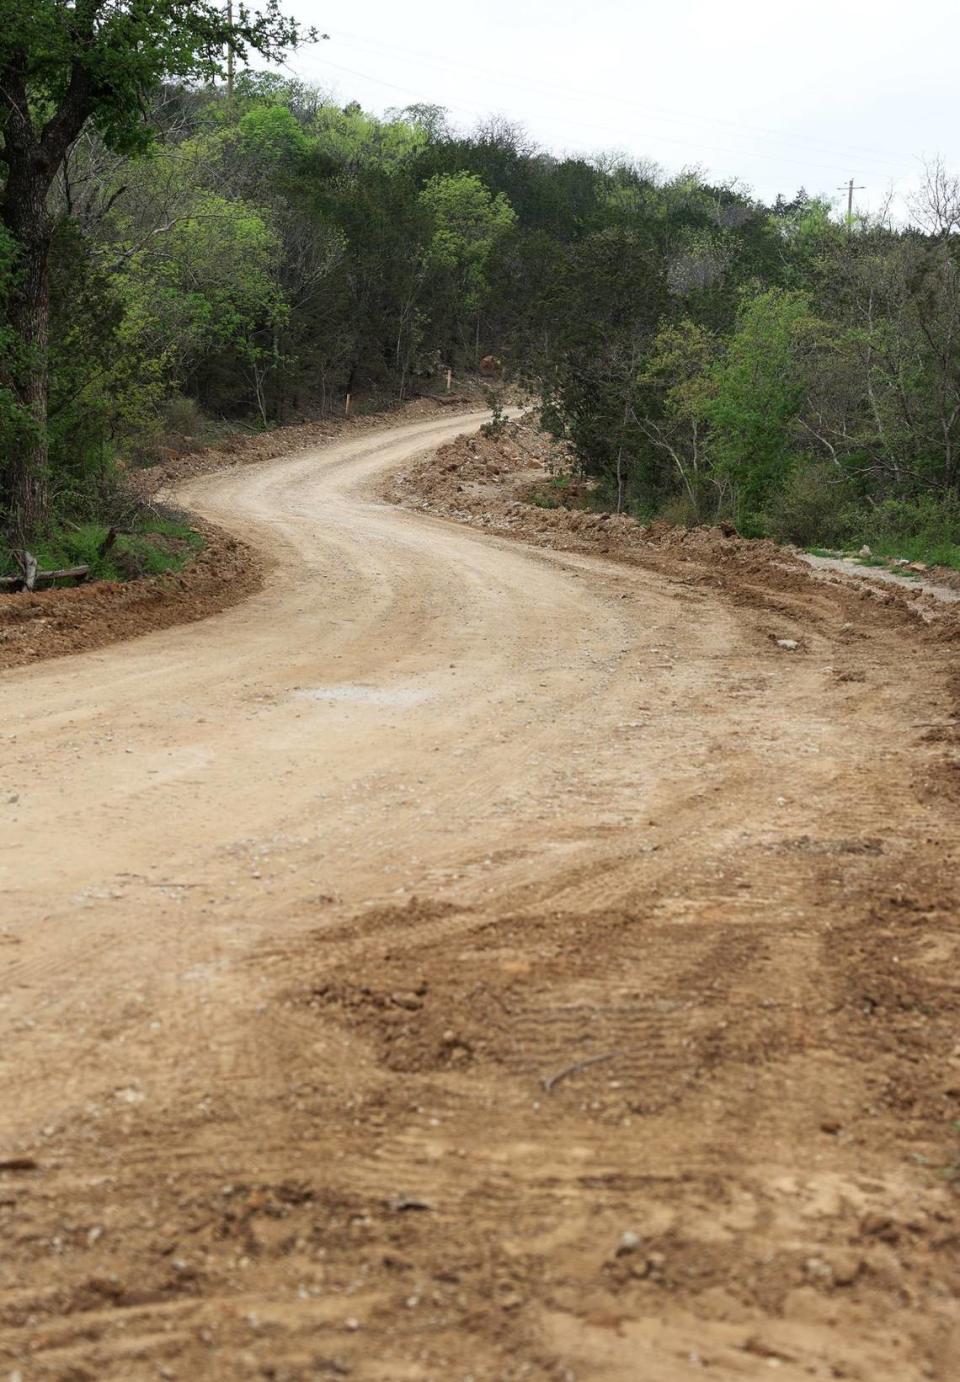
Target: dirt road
[[468, 961]]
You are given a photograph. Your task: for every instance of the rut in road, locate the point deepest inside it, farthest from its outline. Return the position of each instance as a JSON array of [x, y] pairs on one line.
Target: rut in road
[[467, 960]]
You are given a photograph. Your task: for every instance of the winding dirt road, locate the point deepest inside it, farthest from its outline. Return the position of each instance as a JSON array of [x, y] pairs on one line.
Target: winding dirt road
[[462, 960]]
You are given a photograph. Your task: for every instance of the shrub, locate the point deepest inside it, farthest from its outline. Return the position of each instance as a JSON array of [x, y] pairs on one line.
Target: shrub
[[159, 542], [183, 417], [814, 507], [680, 511], [925, 527]]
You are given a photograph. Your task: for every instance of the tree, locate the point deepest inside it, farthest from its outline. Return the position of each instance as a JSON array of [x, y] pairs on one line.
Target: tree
[[681, 388], [758, 397], [467, 220], [65, 64]]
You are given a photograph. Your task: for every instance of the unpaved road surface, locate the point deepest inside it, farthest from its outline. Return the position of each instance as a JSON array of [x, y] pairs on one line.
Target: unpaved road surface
[[468, 961]]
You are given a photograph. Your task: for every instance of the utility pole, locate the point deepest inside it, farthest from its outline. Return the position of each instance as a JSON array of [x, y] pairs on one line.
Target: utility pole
[[849, 188]]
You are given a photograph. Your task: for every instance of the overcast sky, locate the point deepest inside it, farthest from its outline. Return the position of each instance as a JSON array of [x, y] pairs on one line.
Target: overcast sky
[[778, 95]]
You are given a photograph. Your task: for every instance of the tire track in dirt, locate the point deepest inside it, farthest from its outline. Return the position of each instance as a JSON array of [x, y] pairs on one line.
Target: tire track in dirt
[[278, 1019]]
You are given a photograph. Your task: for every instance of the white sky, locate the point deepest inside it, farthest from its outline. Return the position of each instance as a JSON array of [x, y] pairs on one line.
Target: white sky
[[777, 94]]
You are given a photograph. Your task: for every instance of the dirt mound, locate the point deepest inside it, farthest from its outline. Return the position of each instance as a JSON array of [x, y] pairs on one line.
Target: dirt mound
[[53, 623], [516, 484]]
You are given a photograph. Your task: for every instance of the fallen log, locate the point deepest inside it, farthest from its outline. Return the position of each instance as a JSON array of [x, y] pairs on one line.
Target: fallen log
[[29, 580]]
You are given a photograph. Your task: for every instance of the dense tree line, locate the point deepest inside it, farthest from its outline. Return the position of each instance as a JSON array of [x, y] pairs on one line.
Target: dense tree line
[[259, 254]]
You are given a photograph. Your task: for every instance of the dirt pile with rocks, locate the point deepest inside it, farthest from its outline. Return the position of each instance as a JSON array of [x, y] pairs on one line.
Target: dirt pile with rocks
[[53, 623], [506, 484]]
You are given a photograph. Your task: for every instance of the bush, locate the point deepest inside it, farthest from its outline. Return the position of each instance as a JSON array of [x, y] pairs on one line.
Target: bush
[[680, 511], [159, 543], [814, 508], [498, 417], [925, 527], [183, 417]]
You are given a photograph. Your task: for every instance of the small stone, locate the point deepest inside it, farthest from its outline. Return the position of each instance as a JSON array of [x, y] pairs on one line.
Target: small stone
[[818, 1270], [830, 1126], [789, 645], [629, 1242], [864, 551]]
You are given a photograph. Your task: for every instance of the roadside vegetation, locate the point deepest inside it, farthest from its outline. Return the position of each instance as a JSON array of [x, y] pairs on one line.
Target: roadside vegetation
[[193, 259], [156, 545]]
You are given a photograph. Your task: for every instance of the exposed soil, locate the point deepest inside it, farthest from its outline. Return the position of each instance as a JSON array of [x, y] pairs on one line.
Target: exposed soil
[[500, 483], [53, 623], [472, 958]]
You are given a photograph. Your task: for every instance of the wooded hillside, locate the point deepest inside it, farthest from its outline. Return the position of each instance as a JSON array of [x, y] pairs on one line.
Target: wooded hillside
[[217, 259]]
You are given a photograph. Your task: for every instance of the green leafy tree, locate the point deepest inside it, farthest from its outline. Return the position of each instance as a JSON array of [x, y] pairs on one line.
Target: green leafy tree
[[680, 391], [467, 220], [204, 291], [65, 64], [758, 397]]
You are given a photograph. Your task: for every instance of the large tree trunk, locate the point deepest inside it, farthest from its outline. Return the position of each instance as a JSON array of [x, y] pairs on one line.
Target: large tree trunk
[[26, 478], [32, 158]]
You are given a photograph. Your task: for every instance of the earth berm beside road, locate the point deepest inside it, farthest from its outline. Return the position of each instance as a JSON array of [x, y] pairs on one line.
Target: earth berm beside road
[[468, 958]]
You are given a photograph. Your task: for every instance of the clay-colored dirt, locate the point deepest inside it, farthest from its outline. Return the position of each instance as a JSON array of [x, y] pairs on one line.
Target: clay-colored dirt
[[472, 960], [56, 622]]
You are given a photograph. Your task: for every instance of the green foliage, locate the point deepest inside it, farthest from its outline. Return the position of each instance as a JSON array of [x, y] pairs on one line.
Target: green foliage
[[16, 424], [925, 527], [498, 417], [814, 505], [466, 220], [707, 356], [272, 134], [354, 140], [757, 400], [114, 53], [158, 544]]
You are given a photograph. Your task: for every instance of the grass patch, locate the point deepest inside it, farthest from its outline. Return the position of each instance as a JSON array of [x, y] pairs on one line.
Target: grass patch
[[933, 553], [159, 543]]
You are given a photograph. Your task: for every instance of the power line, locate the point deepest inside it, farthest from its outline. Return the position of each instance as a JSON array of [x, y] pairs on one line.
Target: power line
[[568, 93], [608, 129]]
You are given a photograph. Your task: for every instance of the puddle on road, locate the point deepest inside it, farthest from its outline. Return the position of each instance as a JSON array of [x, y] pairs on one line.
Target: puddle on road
[[364, 695]]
